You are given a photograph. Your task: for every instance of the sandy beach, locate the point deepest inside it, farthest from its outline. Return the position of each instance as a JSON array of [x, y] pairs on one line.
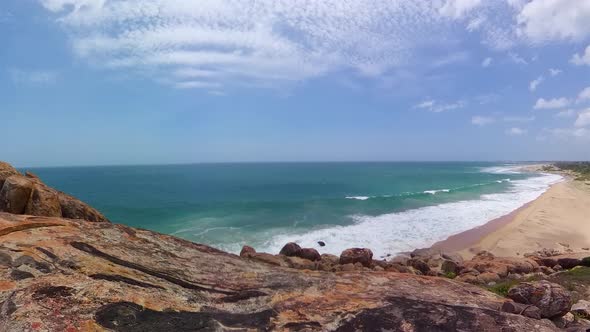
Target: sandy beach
[[558, 219]]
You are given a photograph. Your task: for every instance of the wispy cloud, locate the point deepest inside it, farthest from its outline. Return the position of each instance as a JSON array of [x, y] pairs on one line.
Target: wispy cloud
[[38, 77], [552, 103], [438, 107], [517, 59], [519, 118], [486, 62], [516, 131], [544, 20], [583, 119], [566, 113], [535, 83], [554, 71], [581, 59], [584, 95], [482, 120]]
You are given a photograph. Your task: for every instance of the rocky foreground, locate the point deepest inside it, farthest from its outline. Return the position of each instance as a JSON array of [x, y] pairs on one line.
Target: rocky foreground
[[60, 274]]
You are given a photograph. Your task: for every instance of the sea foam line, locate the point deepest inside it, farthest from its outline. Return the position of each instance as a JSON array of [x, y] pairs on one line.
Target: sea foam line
[[403, 231]]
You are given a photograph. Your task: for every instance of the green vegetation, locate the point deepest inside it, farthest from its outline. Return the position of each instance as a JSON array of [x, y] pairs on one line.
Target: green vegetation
[[582, 169], [450, 275], [503, 287]]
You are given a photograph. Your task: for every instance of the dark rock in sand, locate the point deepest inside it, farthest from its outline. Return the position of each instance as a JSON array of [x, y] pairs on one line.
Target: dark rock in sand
[[553, 300], [290, 249], [322, 243], [357, 255]]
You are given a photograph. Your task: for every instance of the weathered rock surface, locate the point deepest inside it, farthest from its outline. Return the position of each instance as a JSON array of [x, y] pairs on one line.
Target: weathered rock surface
[[83, 276], [552, 299], [27, 194], [357, 255], [582, 308]]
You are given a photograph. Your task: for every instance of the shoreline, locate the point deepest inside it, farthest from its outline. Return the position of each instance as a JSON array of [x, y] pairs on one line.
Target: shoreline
[[555, 220]]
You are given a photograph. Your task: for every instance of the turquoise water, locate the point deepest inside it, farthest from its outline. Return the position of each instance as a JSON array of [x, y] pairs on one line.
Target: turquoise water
[[262, 204]]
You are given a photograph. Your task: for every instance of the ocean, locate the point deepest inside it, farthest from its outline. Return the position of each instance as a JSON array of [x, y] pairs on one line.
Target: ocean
[[389, 207]]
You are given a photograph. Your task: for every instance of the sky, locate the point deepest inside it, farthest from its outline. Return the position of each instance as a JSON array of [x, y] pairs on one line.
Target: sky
[[103, 82]]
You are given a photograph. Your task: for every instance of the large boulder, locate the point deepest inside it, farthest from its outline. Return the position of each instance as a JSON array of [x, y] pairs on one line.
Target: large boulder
[[526, 310], [73, 208], [6, 171], [310, 254], [552, 299], [290, 249], [43, 202], [15, 194], [357, 255]]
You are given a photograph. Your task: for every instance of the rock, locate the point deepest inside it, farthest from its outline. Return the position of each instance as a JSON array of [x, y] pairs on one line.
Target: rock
[[400, 259], [453, 257], [468, 278], [552, 299], [424, 253], [15, 194], [6, 171], [123, 279], [557, 268], [347, 267], [581, 308], [268, 259], [378, 268], [357, 255], [20, 275], [330, 259], [247, 251], [488, 277], [449, 266], [73, 208], [564, 321], [309, 253], [322, 243], [5, 259], [526, 310], [484, 255], [290, 249], [43, 202], [300, 263], [546, 270], [585, 261], [569, 263], [546, 261], [419, 265]]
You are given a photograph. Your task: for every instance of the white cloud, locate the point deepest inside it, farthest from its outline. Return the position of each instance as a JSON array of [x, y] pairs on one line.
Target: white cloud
[[486, 62], [535, 83], [583, 119], [39, 77], [568, 133], [517, 59], [482, 120], [476, 23], [545, 20], [552, 103], [554, 71], [515, 131], [458, 8], [584, 95], [566, 113], [519, 118], [581, 59], [437, 107]]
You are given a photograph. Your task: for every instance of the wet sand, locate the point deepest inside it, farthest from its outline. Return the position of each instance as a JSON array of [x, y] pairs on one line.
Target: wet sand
[[558, 219]]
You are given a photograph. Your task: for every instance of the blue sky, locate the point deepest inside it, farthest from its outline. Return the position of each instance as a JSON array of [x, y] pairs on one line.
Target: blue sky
[[93, 82]]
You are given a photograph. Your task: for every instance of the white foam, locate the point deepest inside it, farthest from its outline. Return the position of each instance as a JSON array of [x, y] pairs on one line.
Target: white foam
[[505, 169], [360, 198], [396, 232], [434, 192]]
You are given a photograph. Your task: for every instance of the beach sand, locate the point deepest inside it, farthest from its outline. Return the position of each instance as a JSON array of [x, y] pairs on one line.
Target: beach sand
[[558, 219]]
